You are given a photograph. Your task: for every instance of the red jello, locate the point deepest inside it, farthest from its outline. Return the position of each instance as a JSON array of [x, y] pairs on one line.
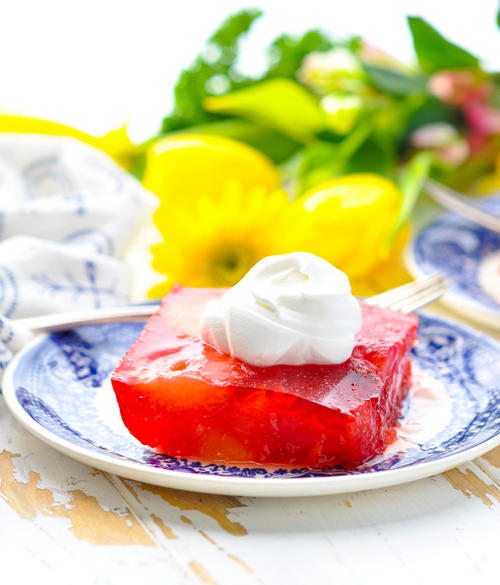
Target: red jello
[[183, 398]]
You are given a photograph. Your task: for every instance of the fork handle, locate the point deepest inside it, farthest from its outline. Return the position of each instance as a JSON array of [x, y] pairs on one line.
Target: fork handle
[[62, 321], [405, 298], [462, 205]]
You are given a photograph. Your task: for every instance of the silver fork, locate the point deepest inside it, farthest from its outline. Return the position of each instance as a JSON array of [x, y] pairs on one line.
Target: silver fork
[[404, 298], [462, 205], [412, 296]]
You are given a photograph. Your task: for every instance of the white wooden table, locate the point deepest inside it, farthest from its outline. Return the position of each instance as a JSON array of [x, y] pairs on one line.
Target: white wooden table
[[64, 522]]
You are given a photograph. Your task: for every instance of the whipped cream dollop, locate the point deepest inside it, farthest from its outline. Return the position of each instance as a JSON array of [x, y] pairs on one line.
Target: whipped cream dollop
[[289, 309]]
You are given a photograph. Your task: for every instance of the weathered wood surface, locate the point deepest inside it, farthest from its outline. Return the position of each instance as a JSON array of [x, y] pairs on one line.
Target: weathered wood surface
[[60, 518]]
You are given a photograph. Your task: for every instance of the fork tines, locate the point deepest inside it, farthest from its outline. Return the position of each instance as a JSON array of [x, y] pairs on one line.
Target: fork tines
[[408, 297]]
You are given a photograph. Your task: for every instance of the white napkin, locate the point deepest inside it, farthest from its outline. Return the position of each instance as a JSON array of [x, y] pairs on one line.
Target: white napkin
[[67, 213]]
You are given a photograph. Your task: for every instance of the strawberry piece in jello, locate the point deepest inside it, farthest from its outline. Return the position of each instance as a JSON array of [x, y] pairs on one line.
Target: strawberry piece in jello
[[185, 399]]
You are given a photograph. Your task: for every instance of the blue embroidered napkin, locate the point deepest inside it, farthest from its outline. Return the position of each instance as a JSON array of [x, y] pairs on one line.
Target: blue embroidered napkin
[[67, 214]]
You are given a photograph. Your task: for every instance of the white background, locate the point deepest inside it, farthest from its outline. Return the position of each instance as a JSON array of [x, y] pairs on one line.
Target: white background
[[96, 63]]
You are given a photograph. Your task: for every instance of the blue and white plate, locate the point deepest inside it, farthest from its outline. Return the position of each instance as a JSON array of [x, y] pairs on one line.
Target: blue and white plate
[[58, 388], [469, 255]]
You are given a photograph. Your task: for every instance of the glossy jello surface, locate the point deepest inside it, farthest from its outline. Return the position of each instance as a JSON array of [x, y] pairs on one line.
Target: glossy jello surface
[[183, 398]]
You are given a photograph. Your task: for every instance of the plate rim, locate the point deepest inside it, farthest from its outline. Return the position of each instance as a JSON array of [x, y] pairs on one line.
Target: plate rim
[[462, 304], [239, 486]]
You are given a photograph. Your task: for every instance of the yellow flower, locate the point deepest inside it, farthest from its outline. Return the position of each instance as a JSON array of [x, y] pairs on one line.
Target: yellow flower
[[351, 221], [116, 143], [182, 167], [214, 241], [28, 125], [389, 273]]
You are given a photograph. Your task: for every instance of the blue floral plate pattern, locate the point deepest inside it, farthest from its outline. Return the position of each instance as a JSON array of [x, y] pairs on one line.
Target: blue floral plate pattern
[[55, 386], [469, 255]]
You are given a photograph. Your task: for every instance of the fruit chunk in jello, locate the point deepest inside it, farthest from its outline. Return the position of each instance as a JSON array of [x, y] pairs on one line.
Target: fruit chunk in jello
[[183, 398]]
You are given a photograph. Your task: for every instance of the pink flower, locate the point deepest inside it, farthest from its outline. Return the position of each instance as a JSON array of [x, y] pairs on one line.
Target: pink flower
[[434, 135], [458, 87], [444, 140], [482, 118], [470, 91]]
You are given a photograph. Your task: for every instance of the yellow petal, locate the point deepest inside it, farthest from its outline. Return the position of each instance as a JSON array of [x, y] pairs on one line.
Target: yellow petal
[[114, 143], [352, 218], [118, 145], [28, 125], [186, 167]]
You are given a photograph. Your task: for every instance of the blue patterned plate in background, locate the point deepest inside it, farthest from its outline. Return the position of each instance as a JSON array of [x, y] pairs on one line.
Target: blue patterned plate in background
[[58, 388], [469, 255]]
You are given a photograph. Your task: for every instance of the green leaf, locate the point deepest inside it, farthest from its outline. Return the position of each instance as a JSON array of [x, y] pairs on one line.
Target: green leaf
[[275, 145], [233, 27], [372, 157], [281, 104], [287, 52], [355, 139], [322, 160], [434, 52], [214, 67], [411, 182], [315, 163], [394, 82]]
